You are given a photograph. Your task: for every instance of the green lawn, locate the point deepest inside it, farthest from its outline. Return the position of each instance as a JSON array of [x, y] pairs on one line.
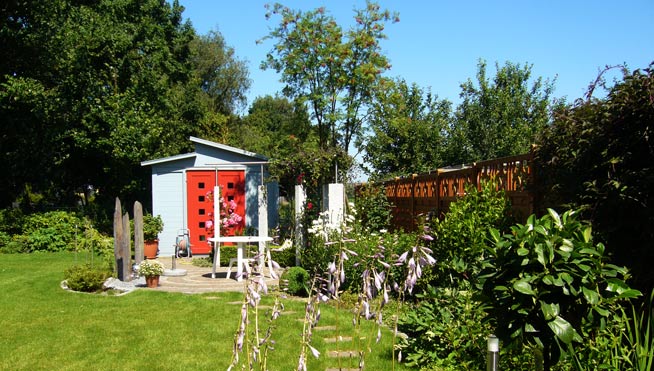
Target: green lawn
[[45, 327]]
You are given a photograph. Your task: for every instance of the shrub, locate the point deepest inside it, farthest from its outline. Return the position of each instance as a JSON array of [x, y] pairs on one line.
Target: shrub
[[298, 281], [461, 237], [597, 157], [51, 231], [445, 329], [547, 283], [374, 208], [284, 257], [86, 277]]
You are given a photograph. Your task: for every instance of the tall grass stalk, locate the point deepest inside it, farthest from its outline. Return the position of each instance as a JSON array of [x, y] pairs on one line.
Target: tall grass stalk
[[639, 336]]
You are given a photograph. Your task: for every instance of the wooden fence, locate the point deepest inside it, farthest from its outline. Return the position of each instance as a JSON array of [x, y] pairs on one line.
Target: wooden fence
[[433, 192]]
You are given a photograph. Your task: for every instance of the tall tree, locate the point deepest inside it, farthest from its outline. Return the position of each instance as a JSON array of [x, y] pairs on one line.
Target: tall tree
[[334, 71], [223, 76], [407, 130], [272, 124], [598, 156], [90, 90], [499, 117]]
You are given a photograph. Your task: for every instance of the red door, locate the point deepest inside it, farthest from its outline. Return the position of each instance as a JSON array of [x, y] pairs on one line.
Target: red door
[[200, 205]]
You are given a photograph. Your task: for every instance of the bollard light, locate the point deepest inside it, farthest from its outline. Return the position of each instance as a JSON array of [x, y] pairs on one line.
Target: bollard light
[[493, 353]]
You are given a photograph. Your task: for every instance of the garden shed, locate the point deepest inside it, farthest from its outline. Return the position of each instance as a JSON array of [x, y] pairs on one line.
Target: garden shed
[[182, 191]]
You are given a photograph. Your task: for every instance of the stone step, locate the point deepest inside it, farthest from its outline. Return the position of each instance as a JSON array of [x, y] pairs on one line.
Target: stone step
[[343, 353], [340, 339]]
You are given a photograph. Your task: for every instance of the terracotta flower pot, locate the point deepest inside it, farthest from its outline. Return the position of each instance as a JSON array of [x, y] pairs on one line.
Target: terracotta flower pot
[[151, 249], [152, 281]]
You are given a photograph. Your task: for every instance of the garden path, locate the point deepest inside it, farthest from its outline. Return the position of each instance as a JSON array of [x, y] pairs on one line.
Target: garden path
[[198, 279]]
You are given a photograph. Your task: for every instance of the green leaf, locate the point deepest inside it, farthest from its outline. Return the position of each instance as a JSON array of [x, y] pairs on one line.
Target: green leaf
[[617, 286], [563, 330], [630, 294], [566, 245], [592, 297], [555, 217], [522, 251], [540, 254], [495, 234], [524, 287], [588, 234], [565, 276], [549, 310]]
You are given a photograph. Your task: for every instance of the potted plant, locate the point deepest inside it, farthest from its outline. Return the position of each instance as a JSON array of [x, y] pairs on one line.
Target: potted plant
[[152, 226], [151, 270]]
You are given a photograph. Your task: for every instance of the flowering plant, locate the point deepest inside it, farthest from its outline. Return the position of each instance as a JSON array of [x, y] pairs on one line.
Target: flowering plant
[[228, 215], [149, 268]]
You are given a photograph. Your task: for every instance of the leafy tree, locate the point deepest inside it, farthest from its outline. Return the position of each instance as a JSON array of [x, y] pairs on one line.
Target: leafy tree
[[272, 125], [597, 156], [223, 77], [334, 71], [407, 130], [90, 89], [499, 117]]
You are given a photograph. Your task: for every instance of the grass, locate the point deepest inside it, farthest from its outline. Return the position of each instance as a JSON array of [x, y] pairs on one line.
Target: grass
[[45, 327]]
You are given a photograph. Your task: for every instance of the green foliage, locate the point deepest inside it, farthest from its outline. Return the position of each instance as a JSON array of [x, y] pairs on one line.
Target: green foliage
[[499, 117], [445, 330], [88, 90], [547, 283], [461, 237], [373, 207], [333, 70], [407, 130], [625, 343], [597, 157], [297, 281], [285, 257], [152, 226], [86, 277], [52, 231]]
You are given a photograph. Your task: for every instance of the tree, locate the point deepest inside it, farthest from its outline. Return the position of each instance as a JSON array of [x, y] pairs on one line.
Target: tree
[[597, 156], [272, 124], [334, 71], [407, 130], [223, 77], [500, 117], [91, 89]]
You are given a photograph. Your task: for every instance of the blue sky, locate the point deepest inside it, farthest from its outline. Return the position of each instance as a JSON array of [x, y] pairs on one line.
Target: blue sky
[[437, 44]]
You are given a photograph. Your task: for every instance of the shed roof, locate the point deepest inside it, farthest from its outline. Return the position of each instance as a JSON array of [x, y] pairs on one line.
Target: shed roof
[[222, 147]]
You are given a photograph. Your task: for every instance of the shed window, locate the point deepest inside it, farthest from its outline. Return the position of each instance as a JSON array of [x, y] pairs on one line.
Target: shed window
[[201, 198], [201, 185], [201, 212], [203, 237], [230, 185], [201, 224]]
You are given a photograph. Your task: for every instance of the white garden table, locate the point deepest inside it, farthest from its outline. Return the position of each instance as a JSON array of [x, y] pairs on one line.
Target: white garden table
[[241, 241]]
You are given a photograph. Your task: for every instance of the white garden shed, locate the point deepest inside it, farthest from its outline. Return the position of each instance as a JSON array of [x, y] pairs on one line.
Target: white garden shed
[[182, 191]]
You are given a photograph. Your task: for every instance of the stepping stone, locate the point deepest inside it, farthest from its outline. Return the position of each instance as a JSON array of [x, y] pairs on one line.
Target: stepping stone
[[324, 328], [340, 339], [211, 297], [343, 354]]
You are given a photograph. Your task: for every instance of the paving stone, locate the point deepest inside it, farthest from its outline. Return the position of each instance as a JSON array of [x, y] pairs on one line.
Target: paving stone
[[340, 339], [325, 328], [343, 354]]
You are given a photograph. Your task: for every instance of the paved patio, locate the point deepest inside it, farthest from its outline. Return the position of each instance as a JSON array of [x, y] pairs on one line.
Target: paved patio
[[198, 279]]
